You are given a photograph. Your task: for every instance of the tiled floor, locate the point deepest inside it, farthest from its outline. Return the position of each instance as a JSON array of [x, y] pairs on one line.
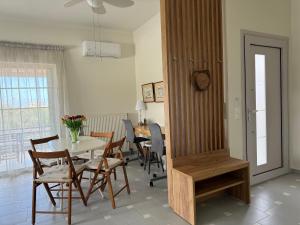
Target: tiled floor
[[275, 202]]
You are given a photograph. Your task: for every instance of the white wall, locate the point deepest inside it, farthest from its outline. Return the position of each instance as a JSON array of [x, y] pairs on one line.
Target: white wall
[[266, 16], [148, 63], [94, 86], [294, 86]]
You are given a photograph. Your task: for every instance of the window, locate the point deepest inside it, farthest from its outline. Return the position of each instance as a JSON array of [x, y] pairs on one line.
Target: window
[[28, 109], [261, 122]]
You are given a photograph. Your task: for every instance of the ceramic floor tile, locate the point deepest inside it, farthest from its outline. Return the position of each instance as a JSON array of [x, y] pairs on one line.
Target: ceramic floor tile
[[275, 202]]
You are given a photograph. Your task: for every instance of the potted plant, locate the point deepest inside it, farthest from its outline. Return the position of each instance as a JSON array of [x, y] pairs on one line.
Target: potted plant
[[73, 123]]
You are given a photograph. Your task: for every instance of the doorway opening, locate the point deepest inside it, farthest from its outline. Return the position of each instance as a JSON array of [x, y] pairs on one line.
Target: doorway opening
[[265, 105]]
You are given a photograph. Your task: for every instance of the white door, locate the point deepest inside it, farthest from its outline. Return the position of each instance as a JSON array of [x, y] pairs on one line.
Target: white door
[[264, 106]]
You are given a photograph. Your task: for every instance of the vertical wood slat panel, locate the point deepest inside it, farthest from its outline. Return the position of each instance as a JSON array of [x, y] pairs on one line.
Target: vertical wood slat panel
[[214, 72], [217, 31], [209, 56], [200, 135], [221, 94], [201, 63], [204, 42], [175, 107], [194, 42]]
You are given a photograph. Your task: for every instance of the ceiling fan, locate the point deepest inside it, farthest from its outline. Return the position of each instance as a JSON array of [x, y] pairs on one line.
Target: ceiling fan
[[98, 6]]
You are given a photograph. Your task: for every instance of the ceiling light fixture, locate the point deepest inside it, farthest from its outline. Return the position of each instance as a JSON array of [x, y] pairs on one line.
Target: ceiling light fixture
[[98, 6]]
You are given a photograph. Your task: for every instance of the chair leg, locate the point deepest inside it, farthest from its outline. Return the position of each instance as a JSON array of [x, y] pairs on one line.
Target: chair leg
[[49, 194], [80, 177], [115, 174], [80, 191], [162, 165], [110, 190], [70, 203], [157, 160], [149, 161], [140, 153], [92, 185], [139, 148], [145, 158], [103, 185], [34, 186], [126, 179], [62, 197]]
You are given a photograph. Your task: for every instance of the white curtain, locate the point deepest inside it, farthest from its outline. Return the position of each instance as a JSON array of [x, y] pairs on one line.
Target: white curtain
[[32, 100]]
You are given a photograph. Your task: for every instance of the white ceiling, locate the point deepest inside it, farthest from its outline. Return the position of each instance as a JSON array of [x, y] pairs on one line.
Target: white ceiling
[[54, 12]]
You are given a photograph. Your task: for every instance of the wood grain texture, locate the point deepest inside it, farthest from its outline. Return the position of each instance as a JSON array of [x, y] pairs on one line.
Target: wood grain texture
[[206, 176], [199, 165], [166, 68], [192, 41], [242, 192], [184, 197], [212, 168]]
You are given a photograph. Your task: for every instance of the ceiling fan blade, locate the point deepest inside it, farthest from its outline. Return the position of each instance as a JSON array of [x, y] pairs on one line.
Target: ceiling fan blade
[[120, 3], [72, 2], [99, 10]]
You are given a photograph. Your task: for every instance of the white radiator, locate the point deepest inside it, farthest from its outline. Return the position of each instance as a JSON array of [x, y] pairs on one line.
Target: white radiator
[[107, 123]]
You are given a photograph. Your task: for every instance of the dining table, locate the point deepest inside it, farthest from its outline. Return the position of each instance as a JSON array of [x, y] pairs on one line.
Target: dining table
[[83, 145]]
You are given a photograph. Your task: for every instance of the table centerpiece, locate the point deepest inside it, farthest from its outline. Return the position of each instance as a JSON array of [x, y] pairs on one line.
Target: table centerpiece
[[73, 123]]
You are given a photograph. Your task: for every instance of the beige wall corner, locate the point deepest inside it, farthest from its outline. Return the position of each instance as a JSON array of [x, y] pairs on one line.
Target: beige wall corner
[[148, 64]]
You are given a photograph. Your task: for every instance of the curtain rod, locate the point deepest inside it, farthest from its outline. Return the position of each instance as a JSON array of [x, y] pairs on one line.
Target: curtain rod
[[31, 46]]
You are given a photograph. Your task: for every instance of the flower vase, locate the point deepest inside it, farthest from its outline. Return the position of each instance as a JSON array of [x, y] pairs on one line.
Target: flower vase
[[74, 133]]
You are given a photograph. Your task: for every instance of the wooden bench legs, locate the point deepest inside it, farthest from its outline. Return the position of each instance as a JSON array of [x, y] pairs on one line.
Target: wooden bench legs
[[187, 190], [242, 191]]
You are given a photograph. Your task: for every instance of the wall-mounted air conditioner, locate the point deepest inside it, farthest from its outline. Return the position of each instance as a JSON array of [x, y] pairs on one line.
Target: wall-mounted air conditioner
[[101, 49]]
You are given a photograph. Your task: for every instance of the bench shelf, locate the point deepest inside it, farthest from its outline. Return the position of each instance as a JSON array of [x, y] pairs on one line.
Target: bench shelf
[[216, 184], [204, 178]]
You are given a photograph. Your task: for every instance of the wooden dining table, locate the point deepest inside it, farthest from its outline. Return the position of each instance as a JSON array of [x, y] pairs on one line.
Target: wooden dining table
[[84, 144]]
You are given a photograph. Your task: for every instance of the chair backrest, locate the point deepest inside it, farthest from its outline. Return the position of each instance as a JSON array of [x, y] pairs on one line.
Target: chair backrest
[[129, 131], [157, 141], [37, 156], [109, 149], [40, 141], [103, 135]]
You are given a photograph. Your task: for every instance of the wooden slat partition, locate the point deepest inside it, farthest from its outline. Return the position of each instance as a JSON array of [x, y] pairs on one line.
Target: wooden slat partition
[[192, 32], [192, 41], [198, 161]]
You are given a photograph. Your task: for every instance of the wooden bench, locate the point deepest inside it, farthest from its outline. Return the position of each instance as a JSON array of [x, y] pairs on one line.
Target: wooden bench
[[200, 177]]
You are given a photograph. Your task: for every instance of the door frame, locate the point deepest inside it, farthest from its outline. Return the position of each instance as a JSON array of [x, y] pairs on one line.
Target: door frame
[[282, 43]]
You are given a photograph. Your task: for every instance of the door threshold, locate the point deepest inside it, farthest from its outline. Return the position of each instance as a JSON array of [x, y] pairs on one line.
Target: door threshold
[[269, 175]]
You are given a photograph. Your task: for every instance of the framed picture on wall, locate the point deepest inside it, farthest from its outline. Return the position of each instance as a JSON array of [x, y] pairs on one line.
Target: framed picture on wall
[[159, 91], [148, 93]]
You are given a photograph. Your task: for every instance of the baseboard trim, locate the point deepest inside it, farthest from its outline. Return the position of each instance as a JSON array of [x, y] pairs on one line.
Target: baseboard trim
[[295, 171]]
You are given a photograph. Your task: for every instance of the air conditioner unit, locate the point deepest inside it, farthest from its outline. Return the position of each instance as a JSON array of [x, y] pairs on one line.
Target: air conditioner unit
[[101, 49]]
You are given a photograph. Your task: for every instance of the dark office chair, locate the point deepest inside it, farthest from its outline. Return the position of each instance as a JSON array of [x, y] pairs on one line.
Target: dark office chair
[[156, 151], [132, 139]]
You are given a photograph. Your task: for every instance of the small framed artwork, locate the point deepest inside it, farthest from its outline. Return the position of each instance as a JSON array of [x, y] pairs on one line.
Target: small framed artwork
[[148, 93], [159, 91]]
